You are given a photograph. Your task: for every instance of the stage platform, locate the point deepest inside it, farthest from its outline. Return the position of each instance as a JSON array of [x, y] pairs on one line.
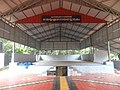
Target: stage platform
[[66, 63]]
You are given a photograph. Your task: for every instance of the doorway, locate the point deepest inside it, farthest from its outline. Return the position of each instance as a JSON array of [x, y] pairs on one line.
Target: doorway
[[61, 71]]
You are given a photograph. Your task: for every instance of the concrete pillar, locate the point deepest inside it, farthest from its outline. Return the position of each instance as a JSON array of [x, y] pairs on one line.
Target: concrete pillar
[[1, 47], [93, 53], [13, 52], [108, 47], [81, 55]]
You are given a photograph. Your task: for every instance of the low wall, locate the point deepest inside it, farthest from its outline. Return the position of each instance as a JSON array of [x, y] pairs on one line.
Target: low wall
[[24, 58], [96, 69], [2, 58], [87, 57], [100, 56], [32, 69], [109, 68], [60, 57], [117, 65], [7, 60]]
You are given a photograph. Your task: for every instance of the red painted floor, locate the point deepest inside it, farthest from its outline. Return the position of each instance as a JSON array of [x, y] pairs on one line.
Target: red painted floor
[[100, 77], [36, 82], [43, 86], [97, 82], [93, 86], [19, 79]]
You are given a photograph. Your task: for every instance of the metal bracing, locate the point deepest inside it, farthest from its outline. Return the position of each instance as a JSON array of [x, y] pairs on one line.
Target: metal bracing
[[60, 35], [48, 38], [97, 5], [60, 3], [64, 35], [39, 26], [81, 2], [104, 0], [70, 37], [74, 31], [114, 47], [102, 47], [62, 30], [76, 36], [47, 31], [51, 34], [17, 35], [26, 5], [115, 41], [82, 26]]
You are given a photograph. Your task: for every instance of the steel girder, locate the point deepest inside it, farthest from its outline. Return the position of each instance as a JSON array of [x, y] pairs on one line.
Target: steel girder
[[79, 25], [39, 26], [58, 29], [26, 5], [61, 33], [57, 36], [97, 5]]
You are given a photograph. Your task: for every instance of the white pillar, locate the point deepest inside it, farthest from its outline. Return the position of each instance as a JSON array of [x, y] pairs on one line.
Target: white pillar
[[13, 52], [108, 43], [93, 53]]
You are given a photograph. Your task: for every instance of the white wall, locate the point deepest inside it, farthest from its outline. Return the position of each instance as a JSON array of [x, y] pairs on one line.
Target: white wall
[[87, 57], [117, 65], [32, 69], [73, 72], [100, 56], [108, 68], [2, 57], [60, 57], [24, 58]]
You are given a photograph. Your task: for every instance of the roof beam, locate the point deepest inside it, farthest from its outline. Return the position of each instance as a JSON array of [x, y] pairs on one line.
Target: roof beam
[[62, 34], [90, 3], [39, 26], [81, 2], [116, 41], [74, 31], [26, 5], [53, 29], [97, 5], [104, 0], [105, 47], [48, 38], [71, 38], [48, 35], [80, 25], [71, 35], [57, 36], [58, 29], [88, 28], [33, 28]]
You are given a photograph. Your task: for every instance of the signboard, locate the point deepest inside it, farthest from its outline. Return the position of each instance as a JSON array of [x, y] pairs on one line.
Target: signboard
[[61, 19]]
